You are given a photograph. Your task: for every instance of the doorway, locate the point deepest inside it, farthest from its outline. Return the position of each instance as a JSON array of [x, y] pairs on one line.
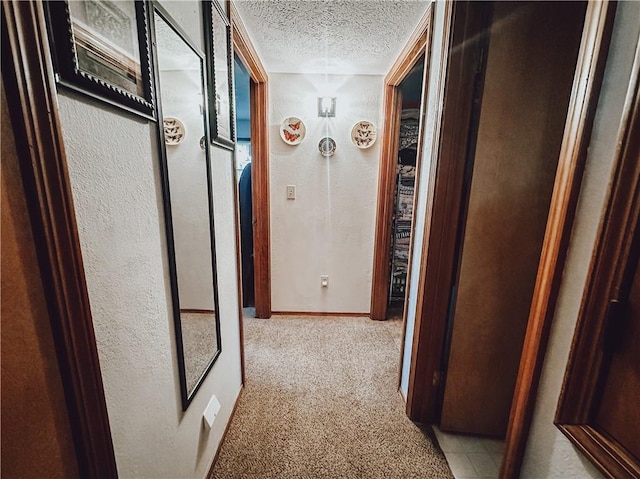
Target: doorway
[[250, 70], [411, 92], [242, 85], [411, 62], [512, 161]]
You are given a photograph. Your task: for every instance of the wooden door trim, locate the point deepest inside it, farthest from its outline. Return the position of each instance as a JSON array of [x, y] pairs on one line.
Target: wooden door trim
[[31, 94], [582, 383], [244, 48], [582, 106], [466, 27], [415, 47]]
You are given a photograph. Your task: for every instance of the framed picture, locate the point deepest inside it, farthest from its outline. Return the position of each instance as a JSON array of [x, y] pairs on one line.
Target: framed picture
[[219, 65], [101, 48]]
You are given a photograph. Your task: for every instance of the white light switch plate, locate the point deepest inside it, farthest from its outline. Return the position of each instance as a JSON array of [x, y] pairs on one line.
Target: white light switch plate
[[291, 192], [210, 412]]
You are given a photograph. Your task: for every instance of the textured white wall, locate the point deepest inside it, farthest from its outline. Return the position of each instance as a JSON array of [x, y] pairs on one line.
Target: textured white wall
[[114, 169], [549, 453], [434, 109], [328, 228]]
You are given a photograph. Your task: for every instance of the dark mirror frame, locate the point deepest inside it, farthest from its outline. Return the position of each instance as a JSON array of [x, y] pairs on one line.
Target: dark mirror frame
[[70, 75], [213, 11], [187, 397]]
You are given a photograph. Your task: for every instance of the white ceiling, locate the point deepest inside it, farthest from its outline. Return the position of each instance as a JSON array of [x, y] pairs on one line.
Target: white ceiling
[[330, 36]]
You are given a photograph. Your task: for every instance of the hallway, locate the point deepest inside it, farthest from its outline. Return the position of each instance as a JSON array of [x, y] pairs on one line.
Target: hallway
[[123, 331], [326, 408]]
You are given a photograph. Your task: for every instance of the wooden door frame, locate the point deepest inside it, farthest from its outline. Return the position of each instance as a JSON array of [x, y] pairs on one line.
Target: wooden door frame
[[585, 93], [32, 99], [598, 331], [463, 40], [443, 204], [245, 50], [417, 46]]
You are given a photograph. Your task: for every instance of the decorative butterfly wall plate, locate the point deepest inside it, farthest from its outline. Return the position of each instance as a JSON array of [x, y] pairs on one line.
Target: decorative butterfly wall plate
[[174, 131], [363, 134], [292, 130]]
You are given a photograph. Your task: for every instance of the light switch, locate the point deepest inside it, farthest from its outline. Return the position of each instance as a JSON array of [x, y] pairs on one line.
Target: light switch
[[211, 412], [291, 192]]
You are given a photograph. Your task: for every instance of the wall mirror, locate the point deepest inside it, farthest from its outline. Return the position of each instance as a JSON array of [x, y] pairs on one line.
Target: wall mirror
[[186, 175]]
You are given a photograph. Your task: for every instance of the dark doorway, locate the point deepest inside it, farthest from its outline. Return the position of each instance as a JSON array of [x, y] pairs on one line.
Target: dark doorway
[[242, 84]]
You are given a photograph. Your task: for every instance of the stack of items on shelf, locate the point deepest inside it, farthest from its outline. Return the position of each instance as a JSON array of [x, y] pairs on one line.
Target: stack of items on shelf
[[403, 211]]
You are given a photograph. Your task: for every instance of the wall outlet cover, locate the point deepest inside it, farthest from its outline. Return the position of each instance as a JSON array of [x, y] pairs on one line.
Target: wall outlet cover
[[210, 412]]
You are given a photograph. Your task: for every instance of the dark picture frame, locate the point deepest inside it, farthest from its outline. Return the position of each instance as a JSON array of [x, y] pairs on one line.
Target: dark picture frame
[[218, 47], [101, 48]]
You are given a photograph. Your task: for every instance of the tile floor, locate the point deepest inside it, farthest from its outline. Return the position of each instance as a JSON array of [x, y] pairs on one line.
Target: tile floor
[[471, 457]]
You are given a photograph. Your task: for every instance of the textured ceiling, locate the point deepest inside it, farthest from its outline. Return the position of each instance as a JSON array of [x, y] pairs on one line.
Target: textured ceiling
[[330, 36]]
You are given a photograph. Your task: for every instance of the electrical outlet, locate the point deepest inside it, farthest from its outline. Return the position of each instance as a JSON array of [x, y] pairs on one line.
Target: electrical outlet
[[324, 281], [291, 192]]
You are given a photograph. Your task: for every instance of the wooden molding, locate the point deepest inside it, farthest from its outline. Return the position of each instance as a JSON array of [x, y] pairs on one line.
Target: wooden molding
[[31, 94], [261, 198], [260, 167], [582, 388], [226, 430], [392, 105], [610, 458], [384, 212], [584, 97], [412, 51], [468, 23], [244, 47], [319, 313]]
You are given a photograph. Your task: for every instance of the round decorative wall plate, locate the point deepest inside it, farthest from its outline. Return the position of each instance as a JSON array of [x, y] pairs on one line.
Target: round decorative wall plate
[[174, 131], [292, 130], [327, 146], [363, 134]]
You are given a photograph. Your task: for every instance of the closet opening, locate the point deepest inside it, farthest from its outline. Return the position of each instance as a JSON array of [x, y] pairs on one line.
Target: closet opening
[[410, 90], [405, 88]]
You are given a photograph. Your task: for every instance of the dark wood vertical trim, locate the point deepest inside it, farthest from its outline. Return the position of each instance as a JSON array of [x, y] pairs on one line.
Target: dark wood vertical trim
[[584, 98], [609, 278], [384, 211], [411, 53], [224, 434], [606, 272], [31, 94], [244, 47], [469, 22], [261, 198], [260, 169]]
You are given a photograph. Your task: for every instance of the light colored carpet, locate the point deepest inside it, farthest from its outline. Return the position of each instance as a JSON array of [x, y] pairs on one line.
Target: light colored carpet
[[321, 401]]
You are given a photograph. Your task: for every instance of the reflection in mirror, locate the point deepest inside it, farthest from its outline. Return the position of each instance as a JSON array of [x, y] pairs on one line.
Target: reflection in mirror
[[188, 207], [106, 40]]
